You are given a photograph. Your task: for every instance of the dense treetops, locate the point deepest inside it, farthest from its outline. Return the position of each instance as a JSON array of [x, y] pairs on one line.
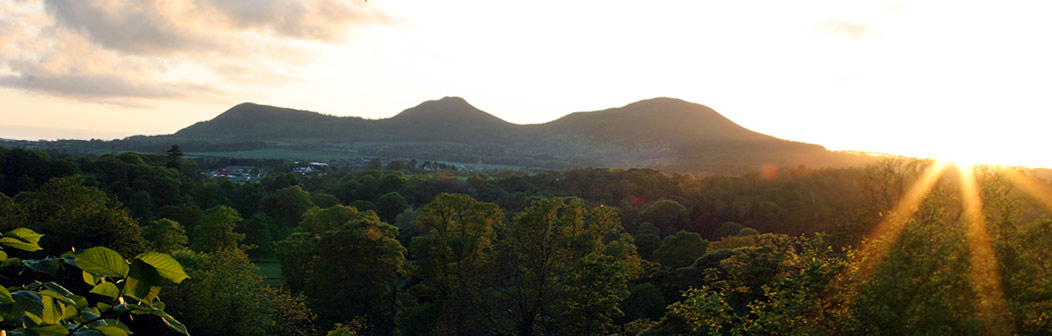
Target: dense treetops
[[580, 251]]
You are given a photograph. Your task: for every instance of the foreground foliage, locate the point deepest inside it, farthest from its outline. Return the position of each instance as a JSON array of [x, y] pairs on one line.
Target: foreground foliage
[[49, 308]]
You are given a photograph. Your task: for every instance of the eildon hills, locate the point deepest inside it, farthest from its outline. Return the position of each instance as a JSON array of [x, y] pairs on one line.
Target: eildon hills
[[664, 133]]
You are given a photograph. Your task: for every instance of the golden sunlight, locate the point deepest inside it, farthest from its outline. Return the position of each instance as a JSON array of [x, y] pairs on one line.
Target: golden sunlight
[[984, 276], [887, 232], [1037, 189]]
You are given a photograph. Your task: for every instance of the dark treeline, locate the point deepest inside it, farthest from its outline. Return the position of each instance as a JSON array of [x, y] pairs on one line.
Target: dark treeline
[[399, 250]]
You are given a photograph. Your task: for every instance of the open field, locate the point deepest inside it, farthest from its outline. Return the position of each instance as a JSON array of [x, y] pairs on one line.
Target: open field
[[281, 153]]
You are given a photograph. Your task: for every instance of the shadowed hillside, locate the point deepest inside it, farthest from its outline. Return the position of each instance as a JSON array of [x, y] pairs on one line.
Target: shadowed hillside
[[248, 121], [666, 133]]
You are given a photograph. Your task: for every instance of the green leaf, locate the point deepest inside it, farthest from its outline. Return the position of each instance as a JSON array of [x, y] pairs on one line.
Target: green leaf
[[66, 295], [50, 330], [70, 312], [89, 314], [111, 331], [48, 265], [88, 278], [11, 261], [175, 325], [3, 256], [5, 296], [165, 265], [118, 324], [22, 239], [28, 301], [88, 332], [102, 261], [52, 310], [170, 321], [143, 282], [54, 295], [107, 289]]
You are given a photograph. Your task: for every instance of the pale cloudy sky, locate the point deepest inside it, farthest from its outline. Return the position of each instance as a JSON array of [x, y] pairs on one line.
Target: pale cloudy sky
[[964, 80]]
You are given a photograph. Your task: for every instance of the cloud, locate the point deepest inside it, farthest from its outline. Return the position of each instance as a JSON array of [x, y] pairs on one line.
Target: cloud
[[141, 27], [103, 85], [313, 20], [103, 50], [847, 29]]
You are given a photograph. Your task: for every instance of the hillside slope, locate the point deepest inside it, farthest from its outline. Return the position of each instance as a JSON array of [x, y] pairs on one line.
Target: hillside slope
[[662, 132]]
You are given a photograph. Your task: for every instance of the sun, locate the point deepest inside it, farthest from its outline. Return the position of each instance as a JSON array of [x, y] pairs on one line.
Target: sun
[[961, 158]]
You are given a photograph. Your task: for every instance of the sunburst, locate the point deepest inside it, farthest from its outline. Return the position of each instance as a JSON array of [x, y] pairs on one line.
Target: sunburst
[[984, 277], [880, 240]]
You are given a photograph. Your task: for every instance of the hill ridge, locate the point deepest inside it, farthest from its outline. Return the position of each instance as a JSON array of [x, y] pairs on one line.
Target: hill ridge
[[659, 132]]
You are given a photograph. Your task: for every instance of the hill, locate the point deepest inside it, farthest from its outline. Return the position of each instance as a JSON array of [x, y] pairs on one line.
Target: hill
[[665, 133]]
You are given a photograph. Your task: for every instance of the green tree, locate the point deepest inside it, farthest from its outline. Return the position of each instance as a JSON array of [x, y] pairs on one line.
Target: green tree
[[74, 215], [364, 205], [226, 297], [324, 200], [454, 258], [257, 234], [174, 154], [747, 232], [768, 285], [667, 215], [391, 182], [165, 235], [357, 326], [295, 253], [646, 244], [390, 205], [361, 281], [365, 188], [727, 229], [286, 206], [215, 231], [680, 249], [562, 258], [318, 221], [184, 214]]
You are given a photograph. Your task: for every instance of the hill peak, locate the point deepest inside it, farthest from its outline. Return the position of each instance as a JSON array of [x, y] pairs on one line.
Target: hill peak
[[662, 101], [253, 110], [664, 118], [446, 110]]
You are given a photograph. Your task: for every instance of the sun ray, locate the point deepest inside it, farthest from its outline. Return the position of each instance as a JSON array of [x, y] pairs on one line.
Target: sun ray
[[880, 240], [984, 275], [1031, 185]]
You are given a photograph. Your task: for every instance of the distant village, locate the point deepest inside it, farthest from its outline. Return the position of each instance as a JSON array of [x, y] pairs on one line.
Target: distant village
[[316, 168]]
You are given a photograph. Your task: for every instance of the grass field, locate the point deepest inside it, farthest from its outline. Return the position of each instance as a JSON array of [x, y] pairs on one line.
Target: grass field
[[322, 155], [281, 153], [270, 270], [485, 166]]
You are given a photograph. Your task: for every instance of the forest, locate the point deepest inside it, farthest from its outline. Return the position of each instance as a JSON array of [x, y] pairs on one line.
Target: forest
[[152, 246]]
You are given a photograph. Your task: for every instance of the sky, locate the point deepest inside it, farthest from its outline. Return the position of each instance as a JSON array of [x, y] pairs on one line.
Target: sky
[[957, 80]]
